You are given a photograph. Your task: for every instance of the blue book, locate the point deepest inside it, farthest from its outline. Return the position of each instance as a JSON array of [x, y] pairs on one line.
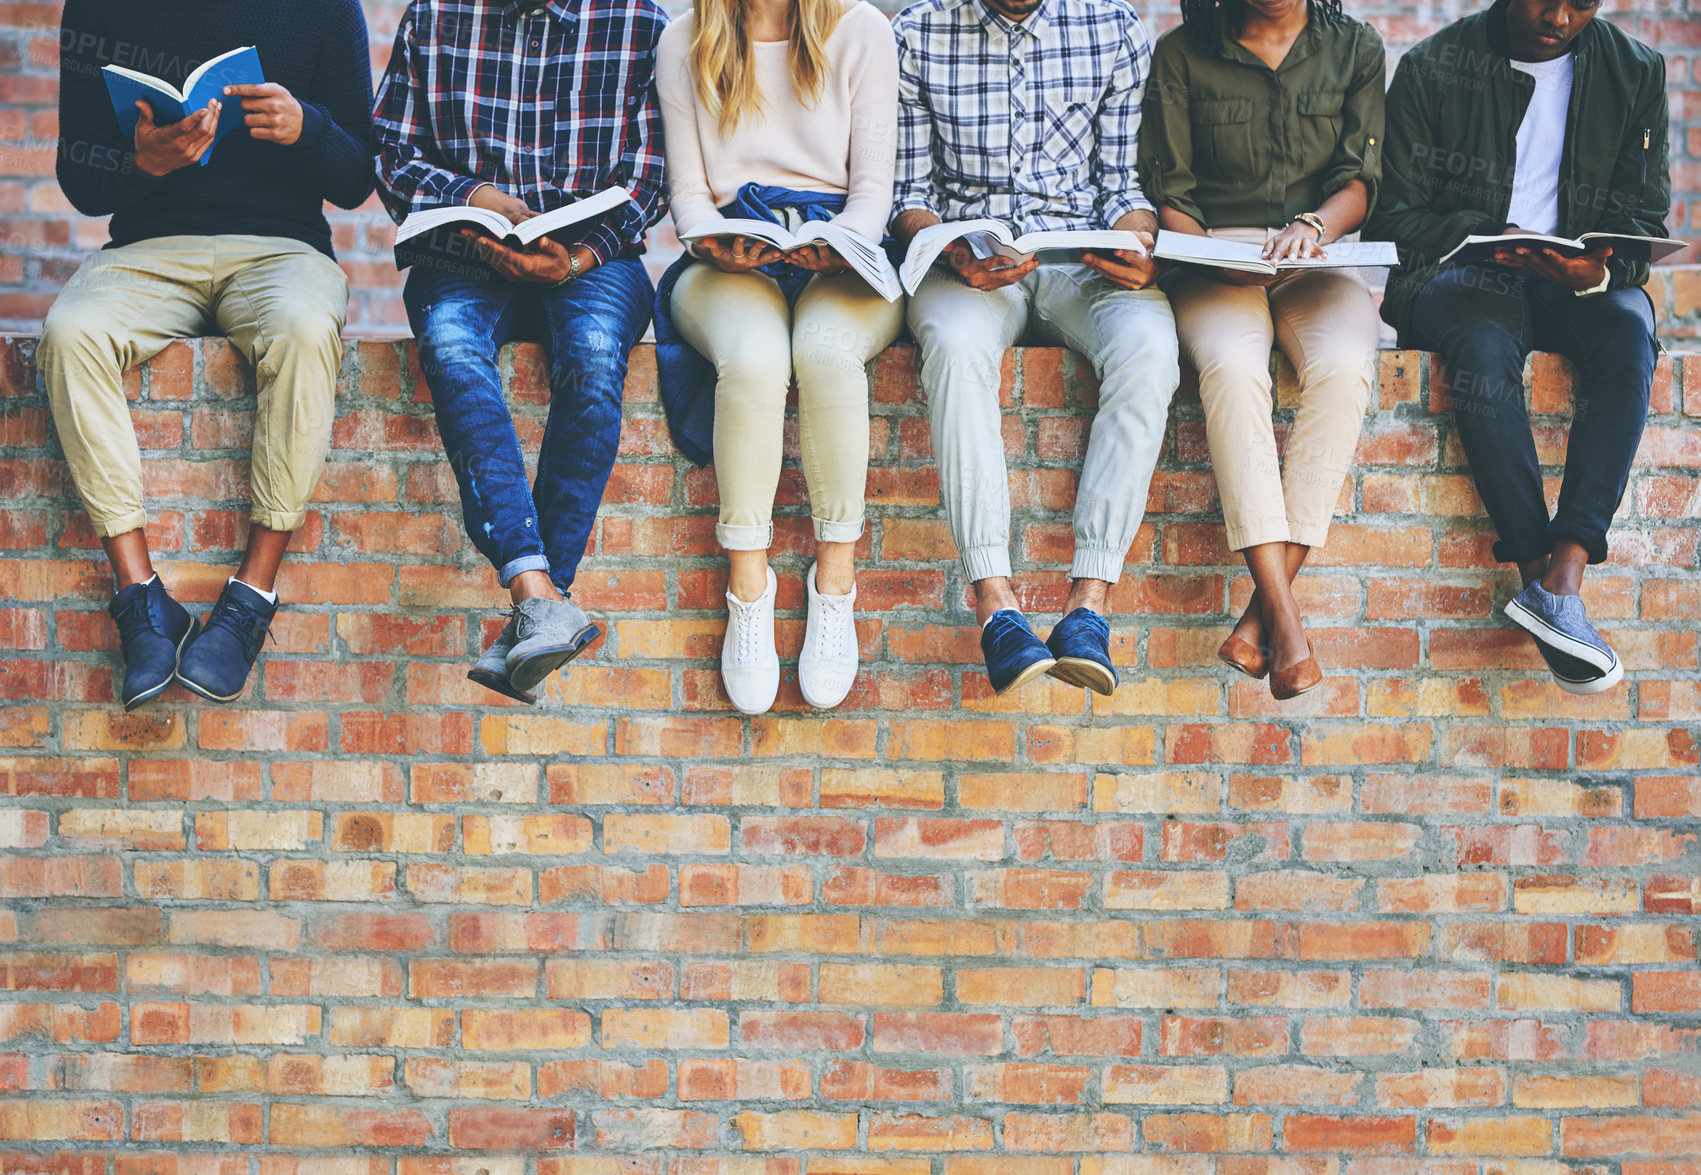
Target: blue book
[[239, 67]]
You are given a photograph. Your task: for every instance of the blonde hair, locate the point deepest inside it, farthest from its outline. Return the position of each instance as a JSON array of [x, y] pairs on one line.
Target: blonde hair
[[721, 58]]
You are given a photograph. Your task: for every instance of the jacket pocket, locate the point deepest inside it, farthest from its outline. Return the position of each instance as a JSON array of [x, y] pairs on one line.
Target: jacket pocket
[[1222, 136]]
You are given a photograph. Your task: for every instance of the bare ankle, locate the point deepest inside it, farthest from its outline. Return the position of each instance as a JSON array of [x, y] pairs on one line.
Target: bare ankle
[[993, 595]]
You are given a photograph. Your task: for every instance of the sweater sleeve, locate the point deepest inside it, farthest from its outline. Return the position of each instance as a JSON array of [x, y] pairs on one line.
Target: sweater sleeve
[[874, 126], [687, 176], [97, 164], [336, 128]]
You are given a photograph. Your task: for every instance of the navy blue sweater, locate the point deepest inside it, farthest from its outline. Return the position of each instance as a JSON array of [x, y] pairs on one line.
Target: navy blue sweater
[[316, 49]]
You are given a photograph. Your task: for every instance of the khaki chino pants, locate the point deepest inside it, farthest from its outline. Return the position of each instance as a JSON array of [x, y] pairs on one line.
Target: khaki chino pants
[[742, 324], [1325, 323], [280, 302]]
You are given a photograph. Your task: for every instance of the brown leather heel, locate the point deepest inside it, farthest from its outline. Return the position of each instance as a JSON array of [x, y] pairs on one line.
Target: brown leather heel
[[1296, 679], [1244, 656]]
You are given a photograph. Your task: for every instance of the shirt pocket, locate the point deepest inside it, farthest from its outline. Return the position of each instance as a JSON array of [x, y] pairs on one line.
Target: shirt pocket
[[1222, 137], [1069, 132], [1319, 128]]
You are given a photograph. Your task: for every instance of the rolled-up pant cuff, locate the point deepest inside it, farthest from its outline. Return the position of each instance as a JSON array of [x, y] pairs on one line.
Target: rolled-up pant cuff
[[1097, 563], [1524, 551], [506, 573], [986, 563], [744, 538], [1256, 534], [837, 532], [1591, 541], [1308, 534], [278, 519], [107, 528]]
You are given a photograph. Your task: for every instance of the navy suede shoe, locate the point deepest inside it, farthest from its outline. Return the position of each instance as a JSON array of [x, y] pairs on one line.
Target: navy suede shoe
[[1014, 655], [217, 662], [152, 628], [1081, 644]]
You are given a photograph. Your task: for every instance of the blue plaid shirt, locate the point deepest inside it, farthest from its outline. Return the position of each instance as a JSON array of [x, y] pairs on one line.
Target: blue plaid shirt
[[1035, 122], [551, 103]]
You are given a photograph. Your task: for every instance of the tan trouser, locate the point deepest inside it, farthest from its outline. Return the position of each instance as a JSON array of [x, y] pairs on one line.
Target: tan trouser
[[1325, 324], [742, 324], [280, 302]]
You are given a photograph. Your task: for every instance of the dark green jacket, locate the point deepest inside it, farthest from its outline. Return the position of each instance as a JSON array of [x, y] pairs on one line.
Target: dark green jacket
[[1453, 115]]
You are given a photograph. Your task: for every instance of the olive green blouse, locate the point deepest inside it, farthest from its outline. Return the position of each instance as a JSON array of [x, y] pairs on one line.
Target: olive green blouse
[[1235, 144]]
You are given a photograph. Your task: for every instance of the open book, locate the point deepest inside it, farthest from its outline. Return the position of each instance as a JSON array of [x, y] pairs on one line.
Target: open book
[[1477, 250], [989, 238], [239, 67], [864, 256], [519, 236], [1249, 258]]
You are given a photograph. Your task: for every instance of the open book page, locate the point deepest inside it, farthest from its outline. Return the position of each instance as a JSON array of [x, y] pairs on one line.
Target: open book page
[[190, 83], [499, 226], [1475, 250], [990, 238], [605, 201], [431, 219], [1349, 255], [862, 255], [930, 242], [1249, 258]]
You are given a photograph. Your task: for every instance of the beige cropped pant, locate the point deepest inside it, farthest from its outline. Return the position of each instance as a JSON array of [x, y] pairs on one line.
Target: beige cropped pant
[[742, 324], [279, 302], [1326, 325]]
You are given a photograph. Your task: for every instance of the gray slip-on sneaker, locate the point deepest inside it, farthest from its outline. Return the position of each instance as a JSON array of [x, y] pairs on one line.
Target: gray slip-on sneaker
[[1580, 660], [549, 633], [491, 669]]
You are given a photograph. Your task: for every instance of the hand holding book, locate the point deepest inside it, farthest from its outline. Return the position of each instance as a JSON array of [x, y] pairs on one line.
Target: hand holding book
[[736, 253], [161, 150], [1576, 271]]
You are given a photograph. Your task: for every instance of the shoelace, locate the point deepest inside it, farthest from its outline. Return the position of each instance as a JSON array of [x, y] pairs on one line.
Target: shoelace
[[835, 623], [135, 616], [248, 626], [1001, 624], [747, 644]]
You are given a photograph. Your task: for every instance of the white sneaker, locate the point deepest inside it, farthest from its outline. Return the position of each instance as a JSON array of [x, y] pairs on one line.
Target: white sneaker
[[750, 665], [826, 670]]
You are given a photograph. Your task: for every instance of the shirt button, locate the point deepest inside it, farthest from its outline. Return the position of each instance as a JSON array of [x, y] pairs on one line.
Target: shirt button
[[535, 44]]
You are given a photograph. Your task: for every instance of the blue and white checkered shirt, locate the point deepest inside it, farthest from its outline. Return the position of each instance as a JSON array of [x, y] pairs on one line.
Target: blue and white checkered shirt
[[1035, 123]]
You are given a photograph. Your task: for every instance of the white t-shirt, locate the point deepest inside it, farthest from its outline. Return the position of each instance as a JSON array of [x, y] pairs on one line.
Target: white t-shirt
[[1541, 140]]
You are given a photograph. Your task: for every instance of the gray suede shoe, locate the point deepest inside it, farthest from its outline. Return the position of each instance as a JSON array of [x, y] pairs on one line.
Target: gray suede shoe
[[491, 669], [548, 634]]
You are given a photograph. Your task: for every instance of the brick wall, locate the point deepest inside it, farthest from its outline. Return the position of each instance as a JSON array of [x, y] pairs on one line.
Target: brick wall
[[42, 239], [1435, 917]]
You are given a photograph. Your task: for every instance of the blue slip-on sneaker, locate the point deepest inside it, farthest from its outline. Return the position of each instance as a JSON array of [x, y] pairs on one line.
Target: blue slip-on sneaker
[[491, 669], [217, 662], [153, 629], [1581, 662], [1081, 644], [548, 634], [1014, 655]]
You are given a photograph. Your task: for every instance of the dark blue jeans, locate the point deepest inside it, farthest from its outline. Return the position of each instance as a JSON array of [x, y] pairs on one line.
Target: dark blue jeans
[[588, 327], [1484, 321]]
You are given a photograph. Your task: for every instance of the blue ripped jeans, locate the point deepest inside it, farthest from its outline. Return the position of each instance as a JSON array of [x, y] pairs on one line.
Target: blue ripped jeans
[[588, 328]]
